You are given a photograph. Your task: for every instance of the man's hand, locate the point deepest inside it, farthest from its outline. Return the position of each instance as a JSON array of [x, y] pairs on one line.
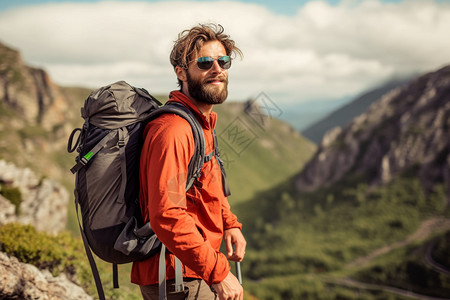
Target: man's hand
[[234, 237], [229, 288]]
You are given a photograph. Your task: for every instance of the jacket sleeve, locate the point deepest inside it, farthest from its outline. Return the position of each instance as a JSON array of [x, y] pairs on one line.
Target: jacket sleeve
[[168, 148]]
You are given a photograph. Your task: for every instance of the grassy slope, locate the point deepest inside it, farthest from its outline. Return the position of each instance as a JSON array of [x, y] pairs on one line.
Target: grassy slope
[[313, 237], [257, 157]]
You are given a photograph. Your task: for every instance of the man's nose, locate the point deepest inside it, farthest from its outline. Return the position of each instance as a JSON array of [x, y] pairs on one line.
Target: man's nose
[[216, 67]]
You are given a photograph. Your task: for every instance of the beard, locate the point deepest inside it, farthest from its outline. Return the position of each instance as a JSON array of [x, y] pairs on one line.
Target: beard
[[205, 92]]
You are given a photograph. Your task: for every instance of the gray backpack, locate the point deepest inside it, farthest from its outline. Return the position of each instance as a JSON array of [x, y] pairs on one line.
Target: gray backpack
[[107, 174]]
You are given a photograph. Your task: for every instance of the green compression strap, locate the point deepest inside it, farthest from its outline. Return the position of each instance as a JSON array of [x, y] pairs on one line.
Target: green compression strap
[[85, 159]]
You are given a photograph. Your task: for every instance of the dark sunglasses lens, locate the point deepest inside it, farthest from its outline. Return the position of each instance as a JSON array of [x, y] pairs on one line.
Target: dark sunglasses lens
[[205, 63], [224, 62]]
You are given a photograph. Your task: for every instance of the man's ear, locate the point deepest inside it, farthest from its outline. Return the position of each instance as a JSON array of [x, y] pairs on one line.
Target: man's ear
[[181, 73]]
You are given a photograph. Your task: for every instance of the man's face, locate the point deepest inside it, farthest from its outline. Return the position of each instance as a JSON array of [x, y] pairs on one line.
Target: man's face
[[208, 86]]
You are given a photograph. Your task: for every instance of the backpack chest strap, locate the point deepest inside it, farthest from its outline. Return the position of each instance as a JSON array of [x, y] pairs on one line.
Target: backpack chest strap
[[216, 153], [209, 156]]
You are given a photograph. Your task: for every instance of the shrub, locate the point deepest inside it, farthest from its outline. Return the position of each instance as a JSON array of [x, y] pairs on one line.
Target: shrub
[[60, 253], [13, 194]]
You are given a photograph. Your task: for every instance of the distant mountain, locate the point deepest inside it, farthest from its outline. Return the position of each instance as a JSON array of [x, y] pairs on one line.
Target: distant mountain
[[408, 127], [304, 114], [344, 115]]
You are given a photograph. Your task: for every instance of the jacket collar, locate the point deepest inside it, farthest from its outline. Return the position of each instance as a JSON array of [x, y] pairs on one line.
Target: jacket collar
[[178, 96]]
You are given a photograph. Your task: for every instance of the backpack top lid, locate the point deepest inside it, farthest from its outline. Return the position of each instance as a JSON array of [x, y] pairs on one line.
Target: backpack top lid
[[118, 105]]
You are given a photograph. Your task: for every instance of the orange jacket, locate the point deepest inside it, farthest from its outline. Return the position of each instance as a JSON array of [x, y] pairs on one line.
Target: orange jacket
[[191, 224]]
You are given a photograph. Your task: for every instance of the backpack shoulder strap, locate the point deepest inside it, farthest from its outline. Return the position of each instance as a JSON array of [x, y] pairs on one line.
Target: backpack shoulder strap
[[196, 162], [94, 269], [226, 187]]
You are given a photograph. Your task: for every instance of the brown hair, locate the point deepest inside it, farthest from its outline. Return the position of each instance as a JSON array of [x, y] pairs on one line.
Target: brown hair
[[190, 41]]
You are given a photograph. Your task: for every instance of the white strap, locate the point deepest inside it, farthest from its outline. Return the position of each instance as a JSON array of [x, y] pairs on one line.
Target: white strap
[[179, 285], [162, 274]]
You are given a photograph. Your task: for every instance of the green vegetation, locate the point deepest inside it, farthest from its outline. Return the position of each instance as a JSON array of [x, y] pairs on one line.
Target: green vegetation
[[12, 194], [30, 132], [317, 235], [441, 250], [60, 253]]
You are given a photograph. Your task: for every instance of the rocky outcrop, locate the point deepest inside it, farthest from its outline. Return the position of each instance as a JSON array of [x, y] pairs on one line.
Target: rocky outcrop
[[29, 91], [25, 281], [406, 130], [36, 116], [44, 201], [43, 205]]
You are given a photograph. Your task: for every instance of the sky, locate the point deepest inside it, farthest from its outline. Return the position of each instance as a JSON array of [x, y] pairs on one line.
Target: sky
[[294, 51]]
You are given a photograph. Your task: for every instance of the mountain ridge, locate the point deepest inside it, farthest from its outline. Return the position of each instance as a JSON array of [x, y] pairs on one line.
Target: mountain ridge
[[343, 115], [407, 127]]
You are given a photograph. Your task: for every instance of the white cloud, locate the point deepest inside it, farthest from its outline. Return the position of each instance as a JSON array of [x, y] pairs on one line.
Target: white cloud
[[321, 52]]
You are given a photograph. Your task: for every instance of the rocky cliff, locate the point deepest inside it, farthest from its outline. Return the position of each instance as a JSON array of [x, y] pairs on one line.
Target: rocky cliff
[[43, 201], [30, 91], [406, 130], [36, 117]]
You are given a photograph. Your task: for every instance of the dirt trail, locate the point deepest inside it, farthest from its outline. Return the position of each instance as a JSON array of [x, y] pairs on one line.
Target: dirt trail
[[427, 227], [376, 287]]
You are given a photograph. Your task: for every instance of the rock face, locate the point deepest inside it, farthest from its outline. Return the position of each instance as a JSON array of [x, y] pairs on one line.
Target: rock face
[[44, 202], [36, 116], [25, 281], [406, 130], [30, 91]]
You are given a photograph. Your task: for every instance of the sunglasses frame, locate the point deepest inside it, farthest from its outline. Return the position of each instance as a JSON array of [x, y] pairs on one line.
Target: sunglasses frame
[[223, 61]]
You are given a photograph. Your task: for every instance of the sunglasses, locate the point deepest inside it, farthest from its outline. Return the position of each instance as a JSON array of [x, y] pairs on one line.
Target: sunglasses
[[206, 62]]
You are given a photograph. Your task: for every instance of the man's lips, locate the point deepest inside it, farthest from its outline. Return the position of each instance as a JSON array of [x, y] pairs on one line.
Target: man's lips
[[215, 80]]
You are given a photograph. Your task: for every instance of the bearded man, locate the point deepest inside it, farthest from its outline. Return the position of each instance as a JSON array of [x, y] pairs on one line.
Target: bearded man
[[193, 223]]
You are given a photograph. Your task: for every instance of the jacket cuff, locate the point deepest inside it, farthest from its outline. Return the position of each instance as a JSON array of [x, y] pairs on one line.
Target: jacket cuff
[[220, 271], [235, 225]]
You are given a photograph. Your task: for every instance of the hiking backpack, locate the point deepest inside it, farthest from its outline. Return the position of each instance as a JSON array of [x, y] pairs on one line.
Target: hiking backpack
[[107, 176]]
